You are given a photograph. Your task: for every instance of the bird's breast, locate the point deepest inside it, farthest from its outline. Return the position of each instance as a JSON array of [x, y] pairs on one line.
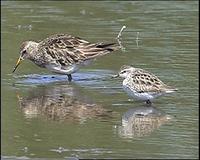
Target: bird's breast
[[57, 68]]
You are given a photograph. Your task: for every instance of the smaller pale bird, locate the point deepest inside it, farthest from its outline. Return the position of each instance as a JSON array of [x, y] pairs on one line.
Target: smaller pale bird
[[63, 53], [142, 84]]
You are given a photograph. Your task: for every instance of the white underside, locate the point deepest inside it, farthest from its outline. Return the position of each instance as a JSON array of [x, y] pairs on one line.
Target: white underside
[[66, 69], [58, 69], [141, 96]]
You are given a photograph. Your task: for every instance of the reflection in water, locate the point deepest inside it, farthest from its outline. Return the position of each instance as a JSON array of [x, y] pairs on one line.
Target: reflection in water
[[141, 121], [58, 103]]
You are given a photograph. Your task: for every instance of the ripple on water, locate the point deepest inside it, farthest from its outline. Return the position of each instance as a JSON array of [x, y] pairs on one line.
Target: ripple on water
[[90, 78]]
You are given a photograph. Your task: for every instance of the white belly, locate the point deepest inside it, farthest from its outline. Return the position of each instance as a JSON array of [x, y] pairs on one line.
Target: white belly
[[58, 68], [134, 94], [63, 70], [140, 96]]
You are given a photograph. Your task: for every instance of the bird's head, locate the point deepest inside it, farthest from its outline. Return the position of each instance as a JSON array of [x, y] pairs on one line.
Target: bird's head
[[125, 71], [26, 49]]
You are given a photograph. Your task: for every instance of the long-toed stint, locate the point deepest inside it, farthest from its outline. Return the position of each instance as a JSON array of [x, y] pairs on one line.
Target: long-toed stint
[[63, 53], [142, 84]]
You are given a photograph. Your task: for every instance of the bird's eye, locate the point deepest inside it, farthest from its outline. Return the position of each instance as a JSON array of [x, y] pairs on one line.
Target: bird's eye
[[23, 52], [122, 72]]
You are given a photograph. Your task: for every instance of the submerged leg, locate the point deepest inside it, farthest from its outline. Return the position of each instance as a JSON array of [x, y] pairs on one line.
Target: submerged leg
[[148, 102], [69, 77]]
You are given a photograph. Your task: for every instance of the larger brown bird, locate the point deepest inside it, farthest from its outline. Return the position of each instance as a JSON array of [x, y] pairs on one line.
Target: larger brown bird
[[63, 53]]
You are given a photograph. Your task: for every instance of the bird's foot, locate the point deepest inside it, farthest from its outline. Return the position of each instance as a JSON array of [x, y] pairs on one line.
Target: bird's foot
[[69, 77], [148, 102]]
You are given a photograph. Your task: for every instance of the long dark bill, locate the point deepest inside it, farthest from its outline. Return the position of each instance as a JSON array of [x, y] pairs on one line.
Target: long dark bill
[[17, 64]]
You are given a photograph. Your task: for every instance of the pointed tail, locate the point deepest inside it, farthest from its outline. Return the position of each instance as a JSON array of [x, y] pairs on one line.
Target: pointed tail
[[99, 49], [109, 46], [170, 90]]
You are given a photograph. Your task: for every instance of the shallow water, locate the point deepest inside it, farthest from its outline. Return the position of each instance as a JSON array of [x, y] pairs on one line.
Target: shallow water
[[44, 116]]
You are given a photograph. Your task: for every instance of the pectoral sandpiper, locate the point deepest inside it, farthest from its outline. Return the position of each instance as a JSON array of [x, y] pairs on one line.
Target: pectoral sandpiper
[[63, 53]]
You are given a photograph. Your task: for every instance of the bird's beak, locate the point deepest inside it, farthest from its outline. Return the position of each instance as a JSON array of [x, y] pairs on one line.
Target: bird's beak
[[17, 64], [115, 76]]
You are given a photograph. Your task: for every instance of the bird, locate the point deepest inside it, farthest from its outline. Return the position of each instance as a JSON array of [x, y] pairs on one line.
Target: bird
[[63, 53], [142, 85]]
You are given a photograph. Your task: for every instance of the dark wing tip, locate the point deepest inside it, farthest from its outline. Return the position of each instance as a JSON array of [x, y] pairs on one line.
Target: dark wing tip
[[108, 46]]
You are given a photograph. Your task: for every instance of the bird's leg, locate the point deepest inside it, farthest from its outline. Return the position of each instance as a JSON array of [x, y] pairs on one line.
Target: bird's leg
[[69, 77], [148, 102]]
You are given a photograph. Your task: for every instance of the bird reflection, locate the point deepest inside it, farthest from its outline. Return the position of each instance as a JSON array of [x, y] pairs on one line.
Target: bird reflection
[[141, 121], [58, 103]]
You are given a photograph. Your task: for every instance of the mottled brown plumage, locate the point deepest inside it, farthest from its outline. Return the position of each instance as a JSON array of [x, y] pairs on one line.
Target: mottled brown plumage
[[143, 84], [63, 53]]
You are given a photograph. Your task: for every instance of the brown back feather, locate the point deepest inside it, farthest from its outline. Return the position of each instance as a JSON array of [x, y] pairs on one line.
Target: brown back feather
[[73, 49]]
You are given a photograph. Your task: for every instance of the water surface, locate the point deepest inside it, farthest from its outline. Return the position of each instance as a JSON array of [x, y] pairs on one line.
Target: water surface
[[44, 116]]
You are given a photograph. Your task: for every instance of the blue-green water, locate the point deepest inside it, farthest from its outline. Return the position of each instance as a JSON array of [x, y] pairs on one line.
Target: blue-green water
[[44, 116]]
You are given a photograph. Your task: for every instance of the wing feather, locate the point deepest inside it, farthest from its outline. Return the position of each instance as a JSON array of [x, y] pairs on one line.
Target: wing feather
[[146, 82], [70, 50]]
